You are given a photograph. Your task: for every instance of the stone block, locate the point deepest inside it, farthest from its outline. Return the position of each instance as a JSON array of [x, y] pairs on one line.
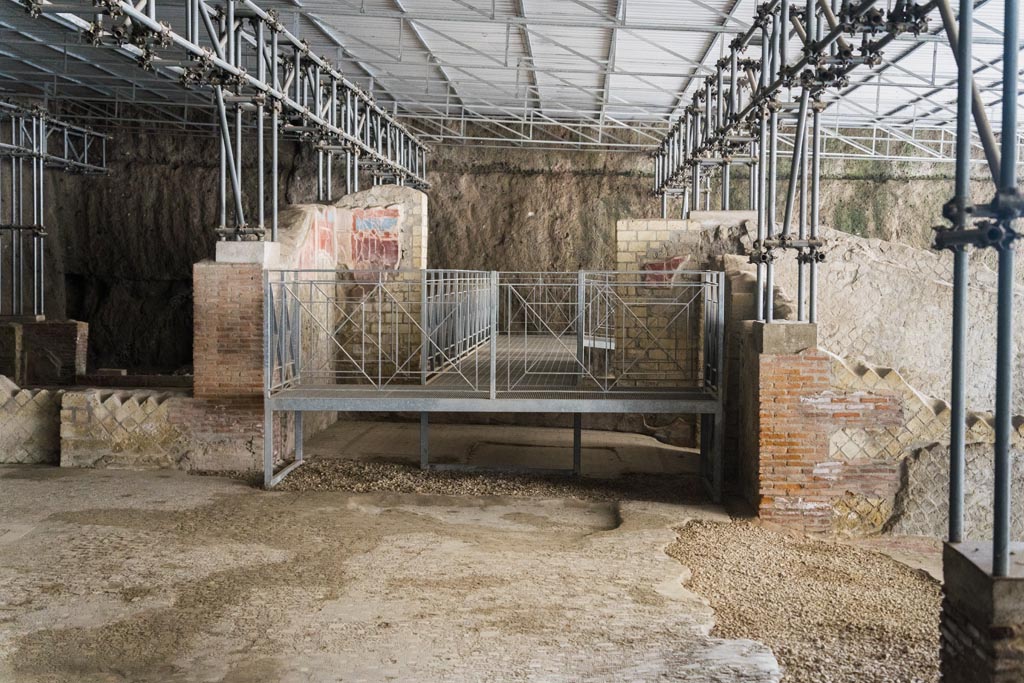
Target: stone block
[[265, 254], [982, 622], [726, 218], [781, 337]]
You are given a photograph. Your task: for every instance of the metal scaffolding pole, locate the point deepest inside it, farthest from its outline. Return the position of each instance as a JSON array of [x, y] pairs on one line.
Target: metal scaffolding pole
[[318, 103], [958, 406], [1004, 326], [74, 149], [813, 254], [758, 111]]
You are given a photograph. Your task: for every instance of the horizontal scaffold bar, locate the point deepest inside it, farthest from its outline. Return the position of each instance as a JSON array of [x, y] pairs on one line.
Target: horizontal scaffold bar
[[35, 134], [276, 69]]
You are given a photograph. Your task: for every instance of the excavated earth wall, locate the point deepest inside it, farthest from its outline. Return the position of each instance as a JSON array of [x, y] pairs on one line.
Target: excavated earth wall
[[121, 247]]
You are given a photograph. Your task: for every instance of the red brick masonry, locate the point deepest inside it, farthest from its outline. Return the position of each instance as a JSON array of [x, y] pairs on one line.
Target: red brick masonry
[[799, 484], [228, 329]]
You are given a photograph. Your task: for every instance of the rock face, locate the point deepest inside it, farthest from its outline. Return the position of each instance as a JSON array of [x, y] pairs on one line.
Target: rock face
[[525, 210], [121, 247]]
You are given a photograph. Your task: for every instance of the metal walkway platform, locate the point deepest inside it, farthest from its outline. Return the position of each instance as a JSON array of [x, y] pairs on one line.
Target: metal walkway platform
[[475, 342]]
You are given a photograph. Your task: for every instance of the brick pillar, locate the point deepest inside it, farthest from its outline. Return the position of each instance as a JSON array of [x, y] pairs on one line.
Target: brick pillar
[[982, 623], [11, 344], [787, 413], [41, 352], [228, 330]]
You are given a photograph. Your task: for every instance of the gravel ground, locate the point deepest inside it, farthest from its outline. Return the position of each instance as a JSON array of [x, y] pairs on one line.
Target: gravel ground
[[831, 613], [330, 474]]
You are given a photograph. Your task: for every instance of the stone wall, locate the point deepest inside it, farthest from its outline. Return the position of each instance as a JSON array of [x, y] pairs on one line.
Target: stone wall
[[891, 305], [918, 450], [145, 428], [29, 424]]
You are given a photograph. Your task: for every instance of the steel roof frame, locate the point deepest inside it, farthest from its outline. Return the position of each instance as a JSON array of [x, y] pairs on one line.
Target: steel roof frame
[[442, 79]]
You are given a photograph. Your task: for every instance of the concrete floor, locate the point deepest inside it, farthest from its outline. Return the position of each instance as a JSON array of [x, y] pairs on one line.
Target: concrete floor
[[604, 454], [158, 576]]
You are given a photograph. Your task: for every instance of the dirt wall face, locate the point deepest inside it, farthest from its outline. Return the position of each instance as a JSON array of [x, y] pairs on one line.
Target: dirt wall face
[[550, 210], [498, 209], [121, 247]]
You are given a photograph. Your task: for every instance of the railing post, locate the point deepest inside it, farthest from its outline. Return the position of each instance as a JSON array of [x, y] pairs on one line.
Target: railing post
[[295, 330], [494, 335], [268, 378], [720, 335], [424, 327], [581, 310]]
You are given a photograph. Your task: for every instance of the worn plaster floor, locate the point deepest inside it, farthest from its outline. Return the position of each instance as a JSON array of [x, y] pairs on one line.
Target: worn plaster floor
[[157, 576]]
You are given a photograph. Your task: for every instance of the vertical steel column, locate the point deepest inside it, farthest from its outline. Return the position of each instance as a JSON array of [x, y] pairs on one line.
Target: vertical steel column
[[779, 29], [726, 171], [268, 378], [261, 73], [719, 122], [15, 236], [275, 131], [783, 30], [1004, 326], [773, 152], [41, 197], [320, 195], [234, 49], [494, 335], [37, 160], [958, 407], [762, 169], [812, 298], [20, 274]]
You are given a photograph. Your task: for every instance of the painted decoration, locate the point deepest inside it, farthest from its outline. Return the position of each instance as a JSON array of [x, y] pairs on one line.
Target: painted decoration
[[661, 271], [318, 251], [374, 240]]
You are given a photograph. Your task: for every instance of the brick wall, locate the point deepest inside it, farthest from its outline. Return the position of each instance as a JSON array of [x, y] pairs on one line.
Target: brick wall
[[44, 352], [228, 330], [641, 243], [10, 351], [982, 624], [800, 484], [791, 411]]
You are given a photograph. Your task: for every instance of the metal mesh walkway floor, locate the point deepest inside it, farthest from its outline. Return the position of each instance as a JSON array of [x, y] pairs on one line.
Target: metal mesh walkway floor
[[533, 373]]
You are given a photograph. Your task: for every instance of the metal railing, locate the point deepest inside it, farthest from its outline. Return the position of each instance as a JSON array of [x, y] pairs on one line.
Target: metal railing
[[595, 333]]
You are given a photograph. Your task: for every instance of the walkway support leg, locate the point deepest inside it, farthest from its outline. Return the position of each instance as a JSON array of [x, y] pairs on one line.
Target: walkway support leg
[[577, 443], [268, 445], [424, 441]]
